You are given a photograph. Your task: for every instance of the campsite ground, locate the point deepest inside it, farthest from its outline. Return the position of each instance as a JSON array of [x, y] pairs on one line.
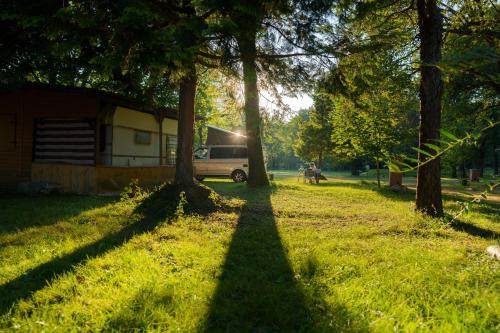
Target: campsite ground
[[341, 256]]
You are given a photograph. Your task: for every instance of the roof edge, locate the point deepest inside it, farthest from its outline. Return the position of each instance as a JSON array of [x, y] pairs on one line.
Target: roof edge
[[114, 98]]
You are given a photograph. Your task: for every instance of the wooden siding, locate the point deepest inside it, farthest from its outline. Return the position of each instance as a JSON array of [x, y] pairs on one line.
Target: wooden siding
[[114, 179], [10, 157], [78, 179], [82, 179]]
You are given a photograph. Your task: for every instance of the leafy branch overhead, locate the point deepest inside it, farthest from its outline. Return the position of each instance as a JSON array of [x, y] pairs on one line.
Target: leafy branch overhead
[[438, 149]]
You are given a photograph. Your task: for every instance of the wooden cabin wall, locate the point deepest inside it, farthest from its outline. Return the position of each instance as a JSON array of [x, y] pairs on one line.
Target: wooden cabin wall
[[11, 129], [15, 166]]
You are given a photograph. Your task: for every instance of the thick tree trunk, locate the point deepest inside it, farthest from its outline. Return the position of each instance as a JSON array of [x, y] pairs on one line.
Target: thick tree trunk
[[185, 130], [320, 160], [378, 172], [257, 175], [428, 198]]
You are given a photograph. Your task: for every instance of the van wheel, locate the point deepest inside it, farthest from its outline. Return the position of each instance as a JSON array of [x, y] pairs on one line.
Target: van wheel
[[238, 176], [199, 178]]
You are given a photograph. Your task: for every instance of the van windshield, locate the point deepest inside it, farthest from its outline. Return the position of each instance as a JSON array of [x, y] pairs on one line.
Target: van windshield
[[228, 152]]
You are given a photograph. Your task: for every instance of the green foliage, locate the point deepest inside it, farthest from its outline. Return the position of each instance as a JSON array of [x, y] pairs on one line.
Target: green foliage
[[182, 202], [470, 101], [435, 151], [376, 118], [138, 48], [279, 137], [216, 104], [314, 136], [133, 191]]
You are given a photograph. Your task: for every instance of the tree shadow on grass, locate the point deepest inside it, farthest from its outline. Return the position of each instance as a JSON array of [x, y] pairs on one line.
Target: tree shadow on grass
[[408, 195], [474, 230], [19, 212], [491, 209], [257, 290], [146, 216]]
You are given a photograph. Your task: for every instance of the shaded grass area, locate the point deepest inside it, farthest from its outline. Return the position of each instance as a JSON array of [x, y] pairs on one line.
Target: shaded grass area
[[339, 257], [19, 212], [255, 277]]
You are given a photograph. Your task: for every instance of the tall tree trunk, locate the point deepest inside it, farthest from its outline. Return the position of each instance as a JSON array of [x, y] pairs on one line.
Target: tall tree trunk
[[430, 21], [185, 130], [257, 175]]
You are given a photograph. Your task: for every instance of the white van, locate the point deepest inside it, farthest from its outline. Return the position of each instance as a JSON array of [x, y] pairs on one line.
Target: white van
[[221, 161]]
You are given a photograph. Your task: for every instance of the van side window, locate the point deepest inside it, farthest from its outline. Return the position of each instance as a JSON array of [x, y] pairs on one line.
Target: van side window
[[220, 152], [228, 152]]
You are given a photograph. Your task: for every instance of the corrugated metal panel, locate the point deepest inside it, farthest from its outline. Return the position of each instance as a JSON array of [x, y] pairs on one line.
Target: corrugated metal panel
[[69, 141]]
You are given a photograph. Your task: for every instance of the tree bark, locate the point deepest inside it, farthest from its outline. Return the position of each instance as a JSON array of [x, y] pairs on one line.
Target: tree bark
[[257, 175], [428, 198], [185, 130], [320, 160]]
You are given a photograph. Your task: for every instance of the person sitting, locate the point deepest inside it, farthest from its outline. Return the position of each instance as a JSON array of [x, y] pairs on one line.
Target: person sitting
[[311, 174]]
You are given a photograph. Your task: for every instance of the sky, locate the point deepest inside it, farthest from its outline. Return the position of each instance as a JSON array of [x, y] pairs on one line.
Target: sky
[[268, 102]]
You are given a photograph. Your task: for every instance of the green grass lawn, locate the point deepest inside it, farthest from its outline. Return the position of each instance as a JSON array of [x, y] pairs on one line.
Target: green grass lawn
[[341, 256]]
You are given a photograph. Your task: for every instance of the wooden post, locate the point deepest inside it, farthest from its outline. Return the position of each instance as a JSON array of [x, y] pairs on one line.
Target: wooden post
[[396, 178], [474, 175]]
